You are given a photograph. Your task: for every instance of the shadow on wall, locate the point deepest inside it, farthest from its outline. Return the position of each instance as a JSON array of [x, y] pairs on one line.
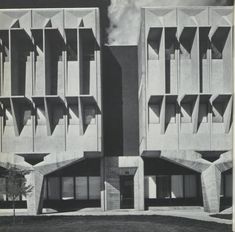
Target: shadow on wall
[[112, 105], [120, 101]]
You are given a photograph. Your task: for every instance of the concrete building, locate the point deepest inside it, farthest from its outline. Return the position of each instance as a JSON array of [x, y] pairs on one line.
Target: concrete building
[[51, 100], [154, 128], [185, 104]]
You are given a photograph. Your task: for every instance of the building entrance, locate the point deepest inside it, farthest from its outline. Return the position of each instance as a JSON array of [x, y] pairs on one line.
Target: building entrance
[[126, 192]]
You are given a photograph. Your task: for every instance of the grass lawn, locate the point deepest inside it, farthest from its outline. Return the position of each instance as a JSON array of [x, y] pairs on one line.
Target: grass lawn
[[108, 223]]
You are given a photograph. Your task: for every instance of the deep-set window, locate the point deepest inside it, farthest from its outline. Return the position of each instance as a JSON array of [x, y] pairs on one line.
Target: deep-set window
[[203, 113], [53, 188], [186, 113], [218, 113], [170, 186], [226, 187], [70, 188], [3, 193], [170, 113], [81, 184], [67, 188], [89, 115], [154, 113]]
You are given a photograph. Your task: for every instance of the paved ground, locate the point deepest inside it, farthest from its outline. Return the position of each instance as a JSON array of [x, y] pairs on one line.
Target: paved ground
[[195, 213]]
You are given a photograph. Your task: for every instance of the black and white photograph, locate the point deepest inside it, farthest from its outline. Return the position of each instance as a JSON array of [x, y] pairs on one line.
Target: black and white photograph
[[117, 116]]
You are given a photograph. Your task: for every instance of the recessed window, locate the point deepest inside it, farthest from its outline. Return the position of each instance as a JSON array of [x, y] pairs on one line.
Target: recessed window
[[228, 185], [27, 116], [153, 51], [67, 188], [177, 186], [73, 115], [41, 116], [89, 115], [187, 40], [154, 113], [154, 43], [218, 113], [163, 186], [94, 187], [8, 119], [53, 188], [170, 186], [170, 113], [186, 113], [216, 53], [184, 54], [81, 187], [190, 186], [150, 187], [3, 186], [171, 43], [203, 113]]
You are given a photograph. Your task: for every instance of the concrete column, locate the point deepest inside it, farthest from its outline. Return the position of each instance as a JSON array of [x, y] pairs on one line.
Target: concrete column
[[102, 180], [34, 199], [139, 186], [211, 181], [112, 185]]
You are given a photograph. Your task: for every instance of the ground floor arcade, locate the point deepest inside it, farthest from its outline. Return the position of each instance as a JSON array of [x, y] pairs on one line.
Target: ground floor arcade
[[128, 183]]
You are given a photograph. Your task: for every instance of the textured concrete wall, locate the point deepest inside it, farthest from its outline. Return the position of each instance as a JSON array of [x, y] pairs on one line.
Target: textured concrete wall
[[185, 66], [180, 62], [43, 118]]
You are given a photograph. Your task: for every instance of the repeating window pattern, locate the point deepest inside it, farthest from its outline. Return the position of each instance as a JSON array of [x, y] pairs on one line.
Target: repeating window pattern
[[72, 188], [171, 186], [3, 193]]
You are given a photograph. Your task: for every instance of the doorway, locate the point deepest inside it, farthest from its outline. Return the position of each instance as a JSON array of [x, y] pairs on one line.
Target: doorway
[[127, 192]]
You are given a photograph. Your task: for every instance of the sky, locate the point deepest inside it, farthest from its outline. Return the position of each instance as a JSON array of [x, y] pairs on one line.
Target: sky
[[124, 16]]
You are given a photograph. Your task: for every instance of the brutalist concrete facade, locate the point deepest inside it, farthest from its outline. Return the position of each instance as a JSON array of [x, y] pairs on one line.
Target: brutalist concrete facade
[[50, 91], [166, 133], [185, 91]]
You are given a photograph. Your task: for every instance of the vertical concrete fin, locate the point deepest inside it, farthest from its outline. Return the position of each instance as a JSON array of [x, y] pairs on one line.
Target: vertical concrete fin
[[163, 115], [196, 46], [44, 59], [163, 57], [228, 115], [80, 59], [140, 173], [81, 115], [48, 116], [195, 114], [15, 117]]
